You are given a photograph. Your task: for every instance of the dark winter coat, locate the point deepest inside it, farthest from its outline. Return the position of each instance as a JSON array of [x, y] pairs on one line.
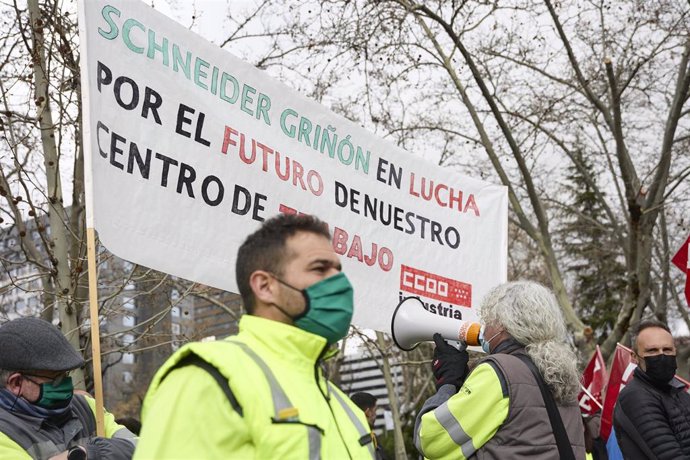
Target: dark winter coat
[[653, 421]]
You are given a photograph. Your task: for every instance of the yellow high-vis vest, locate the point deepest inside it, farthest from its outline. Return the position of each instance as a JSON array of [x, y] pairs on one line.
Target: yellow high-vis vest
[[283, 406]]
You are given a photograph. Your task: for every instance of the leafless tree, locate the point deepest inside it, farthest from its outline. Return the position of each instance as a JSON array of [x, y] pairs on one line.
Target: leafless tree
[[525, 87]]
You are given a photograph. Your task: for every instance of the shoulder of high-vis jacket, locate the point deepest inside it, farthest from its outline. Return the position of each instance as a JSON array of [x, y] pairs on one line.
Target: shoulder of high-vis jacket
[[286, 408], [464, 423], [110, 426], [10, 449]]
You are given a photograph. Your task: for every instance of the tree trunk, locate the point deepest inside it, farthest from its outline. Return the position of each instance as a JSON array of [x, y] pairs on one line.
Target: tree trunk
[[400, 453], [59, 239]]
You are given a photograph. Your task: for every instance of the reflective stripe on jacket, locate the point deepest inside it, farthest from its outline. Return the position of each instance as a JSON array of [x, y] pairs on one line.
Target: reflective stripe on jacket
[[498, 413], [287, 409], [465, 422]]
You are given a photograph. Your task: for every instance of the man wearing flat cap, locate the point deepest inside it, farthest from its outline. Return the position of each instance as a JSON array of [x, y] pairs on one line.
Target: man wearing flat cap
[[40, 416]]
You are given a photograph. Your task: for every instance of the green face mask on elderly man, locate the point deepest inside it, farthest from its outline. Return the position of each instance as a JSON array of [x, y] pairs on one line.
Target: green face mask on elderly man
[[55, 394]]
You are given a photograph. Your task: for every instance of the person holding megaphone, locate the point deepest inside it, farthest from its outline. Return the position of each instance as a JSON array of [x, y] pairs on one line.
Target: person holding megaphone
[[520, 402]]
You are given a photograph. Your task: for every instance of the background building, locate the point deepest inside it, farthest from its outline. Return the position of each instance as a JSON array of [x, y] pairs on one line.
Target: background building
[[363, 371]]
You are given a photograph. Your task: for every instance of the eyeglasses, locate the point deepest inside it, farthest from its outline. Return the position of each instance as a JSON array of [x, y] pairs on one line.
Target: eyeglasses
[[52, 380]]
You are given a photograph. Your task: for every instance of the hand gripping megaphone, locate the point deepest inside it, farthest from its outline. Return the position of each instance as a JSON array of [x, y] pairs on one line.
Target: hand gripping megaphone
[[413, 324]]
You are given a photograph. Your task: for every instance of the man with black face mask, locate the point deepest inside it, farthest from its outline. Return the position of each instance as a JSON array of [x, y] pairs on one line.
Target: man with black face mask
[[652, 415], [262, 393], [40, 416]]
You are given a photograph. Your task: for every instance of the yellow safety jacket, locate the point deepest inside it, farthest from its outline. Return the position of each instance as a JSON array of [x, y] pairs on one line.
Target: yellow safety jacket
[[268, 399], [462, 424], [31, 437]]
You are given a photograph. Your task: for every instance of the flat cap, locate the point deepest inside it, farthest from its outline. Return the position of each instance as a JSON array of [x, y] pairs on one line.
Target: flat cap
[[32, 344]]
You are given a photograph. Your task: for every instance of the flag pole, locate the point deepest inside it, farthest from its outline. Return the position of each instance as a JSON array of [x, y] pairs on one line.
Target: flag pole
[[591, 397], [90, 229], [95, 329]]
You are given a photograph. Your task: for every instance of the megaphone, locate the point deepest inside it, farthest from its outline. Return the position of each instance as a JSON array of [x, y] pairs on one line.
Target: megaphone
[[412, 324]]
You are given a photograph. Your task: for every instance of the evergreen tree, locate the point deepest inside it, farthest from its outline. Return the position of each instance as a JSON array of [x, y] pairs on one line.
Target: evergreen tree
[[594, 257]]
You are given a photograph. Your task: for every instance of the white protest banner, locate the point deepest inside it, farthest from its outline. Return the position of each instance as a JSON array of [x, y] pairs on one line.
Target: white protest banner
[[191, 149]]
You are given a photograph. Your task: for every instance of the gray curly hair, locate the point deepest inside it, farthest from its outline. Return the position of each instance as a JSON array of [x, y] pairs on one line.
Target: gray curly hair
[[530, 313]]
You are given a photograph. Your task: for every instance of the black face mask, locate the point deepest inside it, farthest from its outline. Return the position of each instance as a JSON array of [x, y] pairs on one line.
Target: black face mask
[[660, 368]]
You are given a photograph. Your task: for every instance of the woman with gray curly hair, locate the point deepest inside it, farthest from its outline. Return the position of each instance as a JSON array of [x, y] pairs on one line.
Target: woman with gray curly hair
[[529, 313], [498, 410]]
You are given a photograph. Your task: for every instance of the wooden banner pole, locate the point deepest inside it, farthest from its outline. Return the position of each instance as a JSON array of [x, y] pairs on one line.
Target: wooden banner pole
[[95, 329]]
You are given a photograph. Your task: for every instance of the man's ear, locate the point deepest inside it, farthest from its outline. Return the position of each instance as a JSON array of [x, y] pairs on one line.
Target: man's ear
[[263, 286], [634, 358], [14, 383]]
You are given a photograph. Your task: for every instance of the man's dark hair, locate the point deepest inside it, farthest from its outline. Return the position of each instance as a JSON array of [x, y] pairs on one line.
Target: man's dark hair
[[265, 249], [641, 326], [130, 423], [364, 400]]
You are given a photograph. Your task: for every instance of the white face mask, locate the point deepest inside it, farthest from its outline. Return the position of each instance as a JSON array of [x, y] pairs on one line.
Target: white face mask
[[486, 343]]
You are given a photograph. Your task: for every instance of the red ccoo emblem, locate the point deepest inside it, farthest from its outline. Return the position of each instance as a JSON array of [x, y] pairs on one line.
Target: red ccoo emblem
[[434, 286]]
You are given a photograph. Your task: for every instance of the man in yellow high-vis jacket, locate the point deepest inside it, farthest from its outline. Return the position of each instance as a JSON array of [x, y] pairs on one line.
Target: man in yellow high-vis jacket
[[261, 394]]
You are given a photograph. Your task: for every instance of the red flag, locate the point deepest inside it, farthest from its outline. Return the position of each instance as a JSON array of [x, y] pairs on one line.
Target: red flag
[[682, 261], [593, 381], [621, 372]]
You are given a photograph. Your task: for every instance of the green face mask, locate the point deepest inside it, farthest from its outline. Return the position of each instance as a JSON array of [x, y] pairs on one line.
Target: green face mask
[[54, 396], [329, 307]]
